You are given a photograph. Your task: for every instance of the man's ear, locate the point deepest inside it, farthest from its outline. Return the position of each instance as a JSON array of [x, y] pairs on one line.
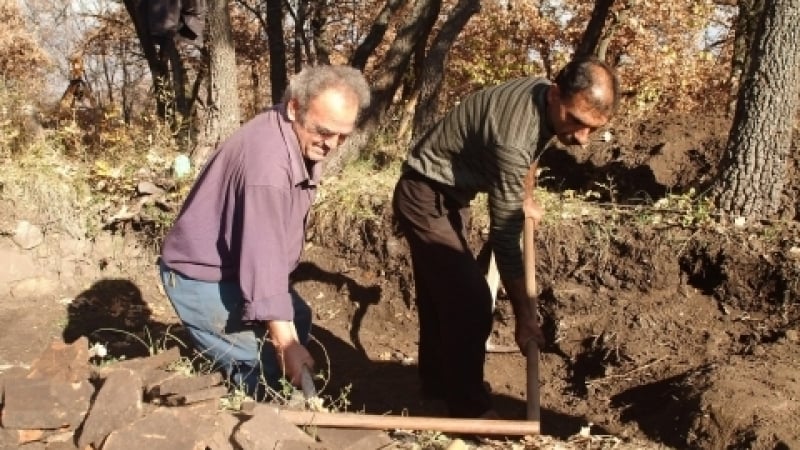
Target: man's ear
[[553, 93], [291, 110]]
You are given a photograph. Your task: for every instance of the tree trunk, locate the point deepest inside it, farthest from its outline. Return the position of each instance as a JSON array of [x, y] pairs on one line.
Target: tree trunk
[[300, 40], [223, 106], [398, 57], [594, 29], [387, 80], [430, 80], [755, 161], [319, 36], [375, 35], [158, 72], [277, 49], [744, 33]]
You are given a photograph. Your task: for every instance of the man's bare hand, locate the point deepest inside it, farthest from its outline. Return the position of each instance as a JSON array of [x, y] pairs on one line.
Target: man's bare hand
[[530, 207], [292, 355], [528, 330], [293, 358]]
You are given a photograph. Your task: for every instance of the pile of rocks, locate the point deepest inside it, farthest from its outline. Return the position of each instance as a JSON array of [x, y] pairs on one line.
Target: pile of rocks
[[62, 401]]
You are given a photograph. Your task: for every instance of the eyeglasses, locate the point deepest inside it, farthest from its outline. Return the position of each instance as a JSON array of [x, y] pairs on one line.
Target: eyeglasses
[[322, 132]]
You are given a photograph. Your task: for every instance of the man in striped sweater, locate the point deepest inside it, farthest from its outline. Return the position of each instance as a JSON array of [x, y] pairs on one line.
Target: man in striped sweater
[[487, 143]]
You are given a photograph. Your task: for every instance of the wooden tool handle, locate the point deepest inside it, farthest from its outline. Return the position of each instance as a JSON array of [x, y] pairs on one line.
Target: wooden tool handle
[[387, 422], [532, 356], [529, 258], [529, 264]]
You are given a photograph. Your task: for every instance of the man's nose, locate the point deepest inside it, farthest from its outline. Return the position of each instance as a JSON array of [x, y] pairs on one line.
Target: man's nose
[[332, 141], [582, 136]]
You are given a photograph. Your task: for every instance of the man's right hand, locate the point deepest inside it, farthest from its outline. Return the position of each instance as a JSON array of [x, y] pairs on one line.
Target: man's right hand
[[525, 315], [292, 355], [527, 330]]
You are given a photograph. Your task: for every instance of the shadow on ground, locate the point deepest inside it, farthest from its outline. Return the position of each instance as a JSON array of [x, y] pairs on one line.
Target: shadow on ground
[[112, 312]]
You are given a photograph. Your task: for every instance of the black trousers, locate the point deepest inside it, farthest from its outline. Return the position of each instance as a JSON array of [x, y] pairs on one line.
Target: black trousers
[[452, 297]]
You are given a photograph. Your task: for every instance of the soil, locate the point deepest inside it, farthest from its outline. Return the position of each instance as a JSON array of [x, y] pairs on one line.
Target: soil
[[662, 331]]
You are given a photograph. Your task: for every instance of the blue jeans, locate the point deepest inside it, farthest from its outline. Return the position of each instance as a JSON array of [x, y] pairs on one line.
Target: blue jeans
[[211, 312]]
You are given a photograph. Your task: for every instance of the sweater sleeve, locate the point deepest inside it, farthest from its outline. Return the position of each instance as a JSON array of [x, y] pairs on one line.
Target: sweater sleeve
[[505, 211], [263, 265]]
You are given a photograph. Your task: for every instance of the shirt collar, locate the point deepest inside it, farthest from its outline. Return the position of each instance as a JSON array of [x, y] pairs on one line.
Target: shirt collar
[[540, 98], [301, 173]]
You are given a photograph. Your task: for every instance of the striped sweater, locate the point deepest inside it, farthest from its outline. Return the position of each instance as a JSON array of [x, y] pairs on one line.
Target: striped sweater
[[486, 144]]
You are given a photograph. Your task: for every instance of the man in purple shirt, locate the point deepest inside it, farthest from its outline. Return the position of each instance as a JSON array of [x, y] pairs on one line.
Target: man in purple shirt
[[225, 264]]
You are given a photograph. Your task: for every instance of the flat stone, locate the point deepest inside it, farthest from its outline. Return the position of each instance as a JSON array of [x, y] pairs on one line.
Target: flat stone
[[118, 403], [34, 288], [267, 430], [352, 438], [185, 384], [17, 265], [10, 373], [210, 393], [166, 429], [9, 438], [59, 446], [45, 404], [63, 362], [223, 428], [156, 361], [27, 235], [15, 438]]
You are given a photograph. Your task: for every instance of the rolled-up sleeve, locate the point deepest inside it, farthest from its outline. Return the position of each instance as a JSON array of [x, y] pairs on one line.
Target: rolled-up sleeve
[[264, 265]]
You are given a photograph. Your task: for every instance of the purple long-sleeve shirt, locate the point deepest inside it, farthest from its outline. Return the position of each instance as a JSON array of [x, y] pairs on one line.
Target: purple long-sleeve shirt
[[245, 216]]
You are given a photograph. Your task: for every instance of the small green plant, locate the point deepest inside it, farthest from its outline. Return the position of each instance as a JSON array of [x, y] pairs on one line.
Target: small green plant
[[154, 346], [690, 208]]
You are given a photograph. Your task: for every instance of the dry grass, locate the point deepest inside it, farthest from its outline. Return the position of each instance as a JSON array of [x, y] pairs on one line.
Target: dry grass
[[48, 190]]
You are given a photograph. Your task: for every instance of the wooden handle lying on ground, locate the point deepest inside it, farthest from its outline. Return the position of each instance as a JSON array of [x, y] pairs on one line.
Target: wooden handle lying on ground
[[381, 422]]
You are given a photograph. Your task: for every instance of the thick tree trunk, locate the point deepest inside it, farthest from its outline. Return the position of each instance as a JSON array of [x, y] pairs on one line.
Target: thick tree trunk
[[430, 80], [398, 58], [755, 161], [375, 35], [319, 36], [223, 106], [750, 11], [594, 29], [277, 49], [158, 71], [388, 79]]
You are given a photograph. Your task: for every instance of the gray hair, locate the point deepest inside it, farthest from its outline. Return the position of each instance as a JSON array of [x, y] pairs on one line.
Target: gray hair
[[312, 81]]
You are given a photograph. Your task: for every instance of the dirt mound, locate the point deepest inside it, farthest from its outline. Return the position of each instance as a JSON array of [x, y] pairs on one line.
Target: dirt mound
[[643, 161]]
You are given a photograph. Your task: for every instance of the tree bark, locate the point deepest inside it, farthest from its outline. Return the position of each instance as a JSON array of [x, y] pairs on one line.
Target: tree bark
[[750, 11], [277, 50], [223, 106], [398, 57], [387, 80], [158, 71], [756, 156], [375, 35], [594, 29], [300, 39], [319, 36], [430, 81]]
